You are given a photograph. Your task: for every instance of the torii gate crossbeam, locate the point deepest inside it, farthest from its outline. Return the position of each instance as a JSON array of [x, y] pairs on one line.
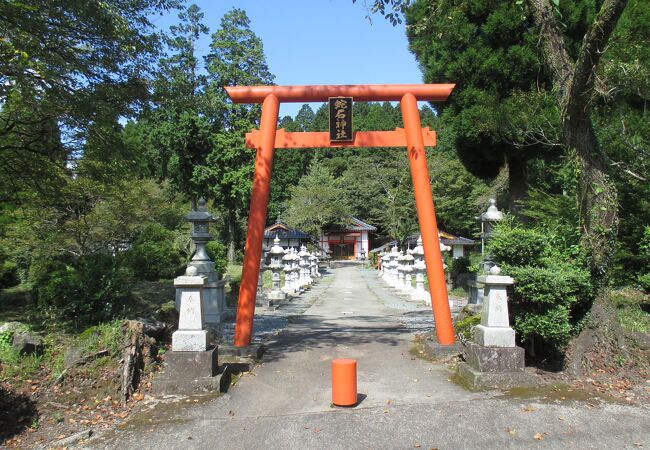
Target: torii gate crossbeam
[[265, 143]]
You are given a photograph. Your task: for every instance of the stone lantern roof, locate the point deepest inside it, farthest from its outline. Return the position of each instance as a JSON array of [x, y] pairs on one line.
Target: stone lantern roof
[[492, 214], [276, 249], [200, 218]]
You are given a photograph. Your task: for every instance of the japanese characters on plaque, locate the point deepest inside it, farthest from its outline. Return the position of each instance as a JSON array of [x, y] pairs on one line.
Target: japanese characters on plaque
[[341, 119]]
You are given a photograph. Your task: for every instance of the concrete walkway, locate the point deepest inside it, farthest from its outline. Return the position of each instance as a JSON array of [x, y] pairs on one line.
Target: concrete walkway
[[405, 402]]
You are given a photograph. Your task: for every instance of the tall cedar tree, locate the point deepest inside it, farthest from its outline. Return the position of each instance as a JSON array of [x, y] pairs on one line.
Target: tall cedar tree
[[236, 58]]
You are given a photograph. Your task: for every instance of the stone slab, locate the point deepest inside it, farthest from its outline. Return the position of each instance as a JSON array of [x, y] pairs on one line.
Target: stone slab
[[190, 365], [191, 312], [436, 350], [163, 385], [494, 359], [476, 380], [495, 308], [276, 296], [494, 337], [190, 281], [190, 340], [495, 280], [251, 351], [421, 296]]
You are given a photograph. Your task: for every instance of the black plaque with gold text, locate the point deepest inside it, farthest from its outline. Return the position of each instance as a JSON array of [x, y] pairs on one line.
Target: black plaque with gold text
[[341, 119]]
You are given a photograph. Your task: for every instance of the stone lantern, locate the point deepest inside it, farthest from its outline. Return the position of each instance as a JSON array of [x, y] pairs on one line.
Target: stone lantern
[[488, 220], [214, 298], [295, 271], [260, 297], [276, 254], [394, 264], [200, 220], [400, 272], [305, 279], [408, 262], [313, 260], [383, 257], [287, 261], [419, 268], [388, 270]]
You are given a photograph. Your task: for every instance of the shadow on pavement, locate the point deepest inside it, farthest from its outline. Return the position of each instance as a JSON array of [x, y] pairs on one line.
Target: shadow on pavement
[[309, 332]]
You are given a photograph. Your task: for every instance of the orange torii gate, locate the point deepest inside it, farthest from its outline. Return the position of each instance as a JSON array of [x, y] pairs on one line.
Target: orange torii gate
[[413, 137]]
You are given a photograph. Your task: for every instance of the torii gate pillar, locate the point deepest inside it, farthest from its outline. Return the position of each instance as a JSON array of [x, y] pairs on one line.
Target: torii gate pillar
[[270, 97], [256, 221]]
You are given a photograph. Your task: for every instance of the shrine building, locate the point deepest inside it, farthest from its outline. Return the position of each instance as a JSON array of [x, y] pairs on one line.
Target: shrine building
[[349, 241], [289, 237]]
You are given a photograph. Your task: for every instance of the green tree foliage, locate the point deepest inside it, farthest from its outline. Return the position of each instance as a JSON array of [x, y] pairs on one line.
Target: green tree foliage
[[155, 253], [176, 135], [180, 84], [82, 291], [583, 89], [63, 67], [289, 165], [236, 58], [317, 200], [622, 122], [500, 111]]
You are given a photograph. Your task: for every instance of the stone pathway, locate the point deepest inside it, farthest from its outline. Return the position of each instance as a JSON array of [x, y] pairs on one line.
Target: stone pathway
[[405, 402]]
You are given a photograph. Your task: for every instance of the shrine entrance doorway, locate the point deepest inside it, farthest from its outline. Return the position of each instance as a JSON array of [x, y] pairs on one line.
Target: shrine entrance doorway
[[413, 137], [342, 250]]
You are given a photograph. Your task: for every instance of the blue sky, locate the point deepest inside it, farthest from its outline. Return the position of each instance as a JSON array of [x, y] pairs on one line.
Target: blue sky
[[319, 42]]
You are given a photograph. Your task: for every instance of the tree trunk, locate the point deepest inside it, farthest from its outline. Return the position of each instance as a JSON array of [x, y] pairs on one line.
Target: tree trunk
[[231, 224], [597, 198], [517, 184], [574, 84]]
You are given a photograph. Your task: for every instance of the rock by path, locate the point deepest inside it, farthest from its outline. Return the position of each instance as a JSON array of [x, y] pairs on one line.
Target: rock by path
[[406, 402]]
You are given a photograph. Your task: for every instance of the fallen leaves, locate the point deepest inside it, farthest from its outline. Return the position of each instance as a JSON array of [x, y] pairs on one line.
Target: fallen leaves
[[540, 436]]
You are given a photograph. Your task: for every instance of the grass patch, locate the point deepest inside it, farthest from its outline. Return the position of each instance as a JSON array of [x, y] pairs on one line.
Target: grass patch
[[465, 328], [458, 292], [632, 309], [234, 271]]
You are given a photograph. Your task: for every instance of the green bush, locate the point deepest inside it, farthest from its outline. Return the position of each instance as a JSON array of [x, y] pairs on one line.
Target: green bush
[[547, 286], [552, 289], [644, 252], [8, 274], [517, 246], [82, 292], [218, 253], [456, 266], [154, 254], [548, 329], [644, 282]]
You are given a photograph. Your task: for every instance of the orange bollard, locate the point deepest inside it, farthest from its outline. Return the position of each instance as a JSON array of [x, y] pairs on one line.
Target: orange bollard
[[344, 382]]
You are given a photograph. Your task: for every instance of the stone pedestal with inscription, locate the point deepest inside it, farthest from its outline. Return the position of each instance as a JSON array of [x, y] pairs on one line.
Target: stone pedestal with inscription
[[493, 359], [192, 365], [190, 336]]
